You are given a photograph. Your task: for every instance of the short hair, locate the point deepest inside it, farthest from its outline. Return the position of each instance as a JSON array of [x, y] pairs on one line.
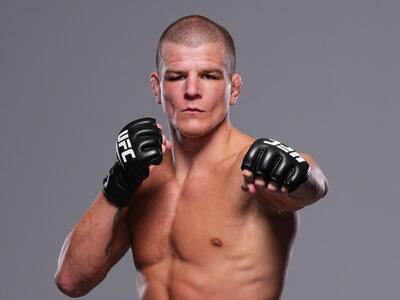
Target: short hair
[[195, 30]]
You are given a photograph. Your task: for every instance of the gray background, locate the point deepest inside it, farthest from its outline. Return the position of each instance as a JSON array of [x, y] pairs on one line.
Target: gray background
[[323, 76]]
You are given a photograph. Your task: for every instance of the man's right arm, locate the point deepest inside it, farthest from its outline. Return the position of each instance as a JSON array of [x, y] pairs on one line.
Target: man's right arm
[[94, 245], [100, 238]]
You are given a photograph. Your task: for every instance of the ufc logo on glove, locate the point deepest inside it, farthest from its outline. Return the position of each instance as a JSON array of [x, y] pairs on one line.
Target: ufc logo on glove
[[125, 143], [285, 148]]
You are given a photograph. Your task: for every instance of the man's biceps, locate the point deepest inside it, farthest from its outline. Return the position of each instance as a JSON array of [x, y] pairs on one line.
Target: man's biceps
[[121, 232], [119, 245]]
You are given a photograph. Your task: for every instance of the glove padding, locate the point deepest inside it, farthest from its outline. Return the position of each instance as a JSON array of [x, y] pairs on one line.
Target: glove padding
[[139, 145], [274, 161]]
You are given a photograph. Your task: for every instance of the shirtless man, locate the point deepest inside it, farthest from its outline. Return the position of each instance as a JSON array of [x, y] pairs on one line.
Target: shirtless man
[[215, 214]]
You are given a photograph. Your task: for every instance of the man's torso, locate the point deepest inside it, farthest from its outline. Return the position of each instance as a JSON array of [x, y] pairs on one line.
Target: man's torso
[[205, 238]]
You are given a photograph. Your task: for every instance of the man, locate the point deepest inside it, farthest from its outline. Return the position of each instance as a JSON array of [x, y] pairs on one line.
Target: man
[[211, 215]]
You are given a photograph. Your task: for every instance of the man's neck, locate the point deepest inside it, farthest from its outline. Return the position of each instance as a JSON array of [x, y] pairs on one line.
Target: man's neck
[[200, 151]]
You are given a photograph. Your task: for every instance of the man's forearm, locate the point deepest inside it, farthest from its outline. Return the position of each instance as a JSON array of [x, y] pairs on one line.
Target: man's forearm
[[315, 188], [86, 257]]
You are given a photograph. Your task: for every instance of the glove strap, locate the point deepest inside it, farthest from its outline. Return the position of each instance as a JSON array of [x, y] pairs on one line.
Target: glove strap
[[117, 188]]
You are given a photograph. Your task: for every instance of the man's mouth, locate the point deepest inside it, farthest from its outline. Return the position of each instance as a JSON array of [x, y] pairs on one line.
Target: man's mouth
[[193, 110]]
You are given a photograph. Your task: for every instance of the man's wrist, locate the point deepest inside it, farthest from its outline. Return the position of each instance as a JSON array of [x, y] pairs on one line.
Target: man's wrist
[[117, 188]]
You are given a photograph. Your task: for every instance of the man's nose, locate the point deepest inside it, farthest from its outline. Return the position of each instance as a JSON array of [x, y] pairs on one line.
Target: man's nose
[[192, 88]]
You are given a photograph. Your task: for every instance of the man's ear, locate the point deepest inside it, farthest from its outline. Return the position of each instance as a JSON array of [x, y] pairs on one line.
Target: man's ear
[[155, 86], [236, 85]]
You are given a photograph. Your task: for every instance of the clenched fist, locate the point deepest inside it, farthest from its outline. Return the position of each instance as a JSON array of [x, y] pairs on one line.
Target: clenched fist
[[273, 165]]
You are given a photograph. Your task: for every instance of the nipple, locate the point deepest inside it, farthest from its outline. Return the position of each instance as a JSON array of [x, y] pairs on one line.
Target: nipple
[[216, 242]]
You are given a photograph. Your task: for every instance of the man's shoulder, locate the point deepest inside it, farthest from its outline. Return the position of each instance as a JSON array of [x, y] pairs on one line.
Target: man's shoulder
[[241, 143]]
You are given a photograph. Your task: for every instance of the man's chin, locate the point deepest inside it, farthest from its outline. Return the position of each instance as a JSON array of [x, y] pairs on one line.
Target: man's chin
[[193, 132], [195, 129]]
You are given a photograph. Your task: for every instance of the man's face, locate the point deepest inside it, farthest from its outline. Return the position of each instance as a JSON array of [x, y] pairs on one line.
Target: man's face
[[194, 87]]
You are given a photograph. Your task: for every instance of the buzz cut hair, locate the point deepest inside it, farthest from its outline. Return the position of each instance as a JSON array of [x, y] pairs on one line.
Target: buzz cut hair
[[193, 31]]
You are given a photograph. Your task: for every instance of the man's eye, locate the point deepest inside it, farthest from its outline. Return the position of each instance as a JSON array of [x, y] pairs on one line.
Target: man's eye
[[175, 78], [208, 76]]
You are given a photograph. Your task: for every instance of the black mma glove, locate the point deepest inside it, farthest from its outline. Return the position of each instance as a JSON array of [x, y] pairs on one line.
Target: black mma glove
[[274, 161], [138, 146]]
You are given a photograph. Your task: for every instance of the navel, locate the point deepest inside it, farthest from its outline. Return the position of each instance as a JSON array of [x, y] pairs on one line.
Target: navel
[[216, 242]]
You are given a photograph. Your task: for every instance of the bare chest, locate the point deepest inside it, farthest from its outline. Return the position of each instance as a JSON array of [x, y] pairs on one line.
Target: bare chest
[[207, 219]]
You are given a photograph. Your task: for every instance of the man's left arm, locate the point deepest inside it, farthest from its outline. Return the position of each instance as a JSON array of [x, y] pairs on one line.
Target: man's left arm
[[286, 179]]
